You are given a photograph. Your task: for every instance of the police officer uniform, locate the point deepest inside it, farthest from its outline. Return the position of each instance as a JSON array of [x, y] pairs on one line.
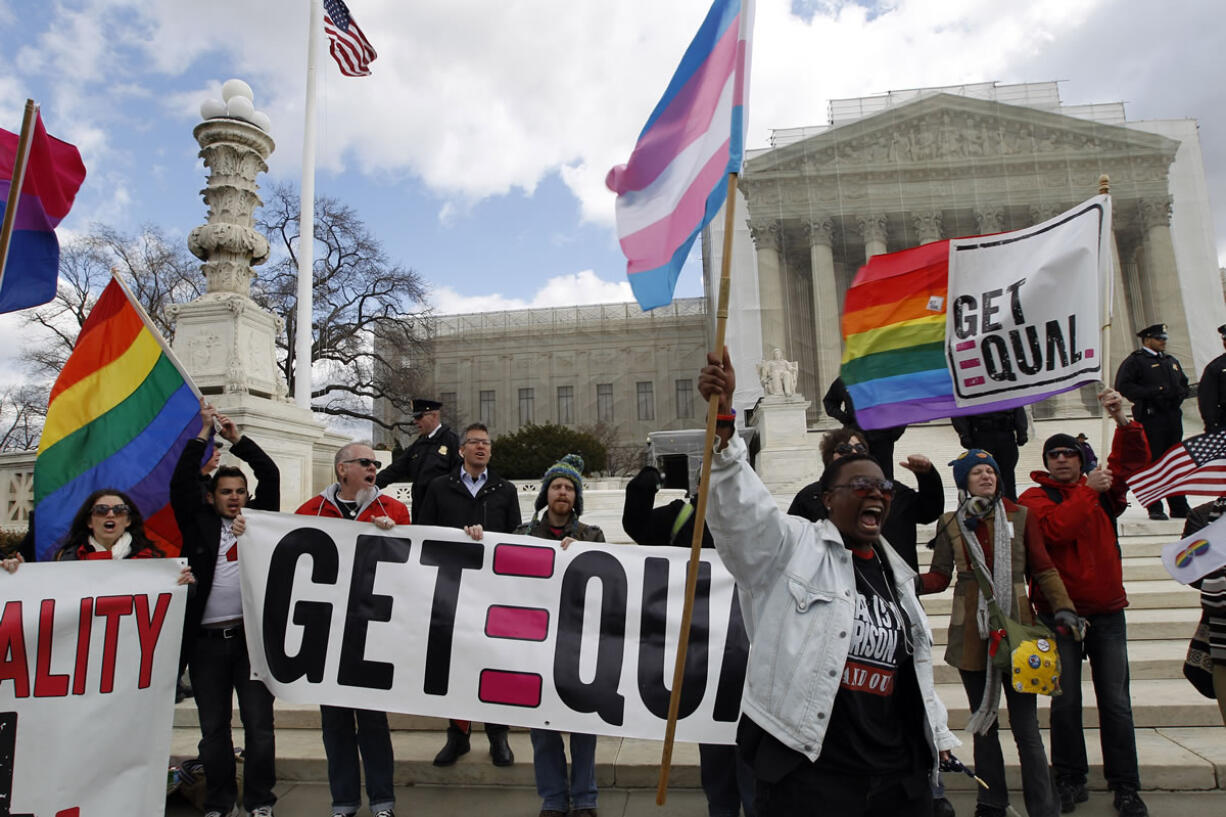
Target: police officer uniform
[[431, 455], [1211, 393], [999, 433], [1156, 384]]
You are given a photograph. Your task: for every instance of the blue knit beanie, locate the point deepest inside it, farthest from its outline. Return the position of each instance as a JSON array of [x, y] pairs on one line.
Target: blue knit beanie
[[968, 460], [570, 467]]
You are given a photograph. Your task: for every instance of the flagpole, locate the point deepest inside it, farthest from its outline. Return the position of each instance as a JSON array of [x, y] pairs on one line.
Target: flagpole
[[19, 176], [157, 335], [1104, 189], [700, 512], [306, 224]]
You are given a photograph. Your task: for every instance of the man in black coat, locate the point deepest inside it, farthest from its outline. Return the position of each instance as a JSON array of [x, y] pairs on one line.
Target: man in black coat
[[476, 499], [435, 452], [1211, 393], [1000, 433], [1156, 384], [213, 640], [839, 405]]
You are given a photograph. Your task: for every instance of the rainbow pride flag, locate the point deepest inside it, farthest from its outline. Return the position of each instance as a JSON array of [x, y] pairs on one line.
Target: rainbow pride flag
[[118, 417]]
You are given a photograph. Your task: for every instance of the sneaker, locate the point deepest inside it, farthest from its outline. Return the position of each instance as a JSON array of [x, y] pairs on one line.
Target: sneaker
[[261, 811], [1129, 804], [385, 812], [1071, 794]]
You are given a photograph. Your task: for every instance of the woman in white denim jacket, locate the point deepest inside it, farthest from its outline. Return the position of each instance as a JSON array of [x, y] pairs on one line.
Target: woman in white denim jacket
[[809, 591]]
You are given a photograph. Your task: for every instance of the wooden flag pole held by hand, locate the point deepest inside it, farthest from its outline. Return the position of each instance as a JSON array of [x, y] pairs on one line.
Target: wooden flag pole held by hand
[[19, 176], [700, 512]]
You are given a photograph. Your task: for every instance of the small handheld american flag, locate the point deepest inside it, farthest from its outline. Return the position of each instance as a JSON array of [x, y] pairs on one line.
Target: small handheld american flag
[[1195, 466]]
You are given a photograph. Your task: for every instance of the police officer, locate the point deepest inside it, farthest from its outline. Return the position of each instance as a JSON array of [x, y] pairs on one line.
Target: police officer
[[1000, 433], [839, 405], [1156, 384], [435, 452], [1211, 393]]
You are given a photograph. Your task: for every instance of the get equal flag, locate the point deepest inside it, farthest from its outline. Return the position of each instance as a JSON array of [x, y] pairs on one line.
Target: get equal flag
[[673, 184], [119, 416], [53, 174]]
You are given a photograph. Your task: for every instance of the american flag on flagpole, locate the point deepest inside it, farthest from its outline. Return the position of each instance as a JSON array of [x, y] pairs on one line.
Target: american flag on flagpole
[[1195, 466], [349, 46]]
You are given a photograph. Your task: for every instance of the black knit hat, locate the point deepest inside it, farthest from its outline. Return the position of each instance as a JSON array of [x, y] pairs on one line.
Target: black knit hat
[[1062, 441]]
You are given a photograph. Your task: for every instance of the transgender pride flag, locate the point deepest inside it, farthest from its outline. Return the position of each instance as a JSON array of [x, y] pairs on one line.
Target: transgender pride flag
[[53, 173], [673, 184]]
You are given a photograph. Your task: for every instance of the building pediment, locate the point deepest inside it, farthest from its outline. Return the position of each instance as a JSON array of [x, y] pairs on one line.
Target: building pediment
[[945, 128]]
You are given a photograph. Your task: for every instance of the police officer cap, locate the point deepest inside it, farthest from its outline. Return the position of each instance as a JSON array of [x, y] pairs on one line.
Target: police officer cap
[[420, 407], [1158, 330]]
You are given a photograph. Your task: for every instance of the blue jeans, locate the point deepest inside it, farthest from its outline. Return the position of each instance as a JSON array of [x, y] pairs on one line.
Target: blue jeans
[[1106, 645], [559, 791], [342, 744], [219, 667], [1037, 789], [727, 780]]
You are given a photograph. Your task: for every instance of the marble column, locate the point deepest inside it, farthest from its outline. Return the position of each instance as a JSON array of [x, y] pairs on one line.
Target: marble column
[[873, 228], [826, 315], [1162, 278], [772, 292], [927, 226]]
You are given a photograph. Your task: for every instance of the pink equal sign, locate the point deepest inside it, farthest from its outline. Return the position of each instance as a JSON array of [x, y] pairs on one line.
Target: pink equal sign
[[523, 560], [969, 364], [523, 623], [510, 688], [964, 345], [973, 381], [1089, 353]]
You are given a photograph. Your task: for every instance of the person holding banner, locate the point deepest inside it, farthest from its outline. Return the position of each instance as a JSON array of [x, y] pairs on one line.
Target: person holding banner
[[1004, 539], [214, 644], [348, 732], [839, 713], [1076, 513], [561, 498]]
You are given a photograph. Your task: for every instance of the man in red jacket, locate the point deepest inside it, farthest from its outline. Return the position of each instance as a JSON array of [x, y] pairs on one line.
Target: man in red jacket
[[1076, 513], [355, 496]]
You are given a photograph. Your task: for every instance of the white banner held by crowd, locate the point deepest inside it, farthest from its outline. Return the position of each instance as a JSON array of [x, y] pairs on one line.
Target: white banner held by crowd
[[1026, 308], [1195, 556], [89, 655], [510, 629]]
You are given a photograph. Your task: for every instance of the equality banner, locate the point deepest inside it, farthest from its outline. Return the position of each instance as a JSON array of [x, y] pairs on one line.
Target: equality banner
[[89, 653], [510, 629], [1026, 308]]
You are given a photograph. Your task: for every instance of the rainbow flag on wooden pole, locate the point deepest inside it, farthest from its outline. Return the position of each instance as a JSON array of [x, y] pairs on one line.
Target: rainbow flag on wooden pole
[[118, 417]]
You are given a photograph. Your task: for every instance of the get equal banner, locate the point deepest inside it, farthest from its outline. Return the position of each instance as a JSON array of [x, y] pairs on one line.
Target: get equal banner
[[510, 629], [89, 653]]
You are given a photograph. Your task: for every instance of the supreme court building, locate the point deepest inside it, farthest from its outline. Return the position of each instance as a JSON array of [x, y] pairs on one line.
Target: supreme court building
[[902, 169]]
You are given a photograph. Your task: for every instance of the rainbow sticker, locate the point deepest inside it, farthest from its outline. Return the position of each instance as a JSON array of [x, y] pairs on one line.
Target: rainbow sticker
[[1197, 548]]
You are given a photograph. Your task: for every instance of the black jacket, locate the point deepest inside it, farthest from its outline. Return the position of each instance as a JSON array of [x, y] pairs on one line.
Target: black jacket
[[839, 405], [971, 426], [648, 525], [1155, 385], [448, 503], [200, 525], [1211, 394], [908, 509], [422, 462]]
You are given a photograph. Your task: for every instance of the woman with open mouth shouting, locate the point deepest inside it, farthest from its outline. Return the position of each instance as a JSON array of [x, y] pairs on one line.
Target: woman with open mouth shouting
[[839, 712]]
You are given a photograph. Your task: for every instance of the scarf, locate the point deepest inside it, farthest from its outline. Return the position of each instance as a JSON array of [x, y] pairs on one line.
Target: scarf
[[1001, 580], [119, 550]]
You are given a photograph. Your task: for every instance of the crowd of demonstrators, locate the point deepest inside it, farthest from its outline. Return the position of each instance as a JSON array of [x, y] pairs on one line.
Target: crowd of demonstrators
[[435, 453], [1077, 516], [839, 712], [349, 732], [1212, 589], [476, 499], [1156, 385], [1003, 539], [727, 780], [1000, 433], [562, 794], [880, 441], [214, 645]]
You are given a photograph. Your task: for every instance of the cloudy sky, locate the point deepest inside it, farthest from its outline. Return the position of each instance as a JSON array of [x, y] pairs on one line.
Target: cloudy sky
[[477, 150]]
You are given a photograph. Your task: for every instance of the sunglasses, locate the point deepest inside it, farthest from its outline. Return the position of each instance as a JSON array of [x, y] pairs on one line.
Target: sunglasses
[[1067, 453], [866, 486], [847, 449], [362, 461], [102, 510]]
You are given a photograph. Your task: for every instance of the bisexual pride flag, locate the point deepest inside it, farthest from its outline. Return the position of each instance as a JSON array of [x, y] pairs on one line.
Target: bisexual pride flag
[[673, 184], [120, 413], [53, 174]]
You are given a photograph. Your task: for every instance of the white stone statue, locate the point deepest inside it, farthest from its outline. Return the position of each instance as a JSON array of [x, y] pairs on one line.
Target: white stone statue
[[778, 376]]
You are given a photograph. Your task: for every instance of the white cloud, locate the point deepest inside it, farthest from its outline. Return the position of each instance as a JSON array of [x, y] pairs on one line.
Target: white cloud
[[582, 287]]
